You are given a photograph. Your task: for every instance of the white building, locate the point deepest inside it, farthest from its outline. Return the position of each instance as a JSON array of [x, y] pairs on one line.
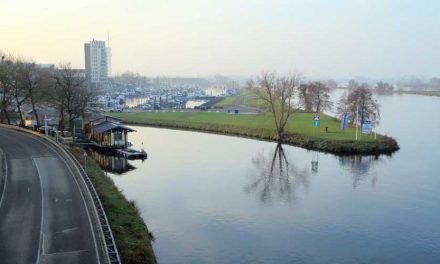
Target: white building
[[109, 61], [97, 61]]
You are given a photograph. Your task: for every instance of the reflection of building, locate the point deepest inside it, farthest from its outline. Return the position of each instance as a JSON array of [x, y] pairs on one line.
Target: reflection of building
[[110, 162], [107, 132]]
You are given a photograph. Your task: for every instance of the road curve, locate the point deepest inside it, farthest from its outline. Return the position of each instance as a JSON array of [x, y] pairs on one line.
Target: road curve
[[43, 217]]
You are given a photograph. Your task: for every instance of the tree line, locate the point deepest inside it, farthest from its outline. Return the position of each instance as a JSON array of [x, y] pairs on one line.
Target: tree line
[[23, 82], [283, 96]]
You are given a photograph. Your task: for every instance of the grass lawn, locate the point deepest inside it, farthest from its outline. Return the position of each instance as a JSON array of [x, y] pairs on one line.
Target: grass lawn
[[300, 123], [248, 99], [251, 99], [227, 102], [299, 131]]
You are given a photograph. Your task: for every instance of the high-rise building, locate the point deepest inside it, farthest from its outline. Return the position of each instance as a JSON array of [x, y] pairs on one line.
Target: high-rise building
[[109, 56], [109, 61], [97, 61]]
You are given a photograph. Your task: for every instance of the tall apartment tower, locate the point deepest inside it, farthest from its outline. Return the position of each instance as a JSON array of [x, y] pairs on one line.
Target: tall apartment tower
[[109, 56], [96, 60]]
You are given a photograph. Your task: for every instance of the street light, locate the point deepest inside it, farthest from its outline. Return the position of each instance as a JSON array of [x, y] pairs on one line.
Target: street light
[[85, 160]]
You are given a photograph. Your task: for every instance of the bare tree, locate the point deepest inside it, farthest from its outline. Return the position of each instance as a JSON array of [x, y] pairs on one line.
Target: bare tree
[[315, 96], [384, 88], [20, 91], [305, 97], [70, 94], [35, 84], [321, 97], [6, 67], [277, 95], [360, 99]]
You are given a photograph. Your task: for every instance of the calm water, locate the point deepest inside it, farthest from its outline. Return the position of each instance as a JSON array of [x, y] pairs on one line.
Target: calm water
[[219, 199]]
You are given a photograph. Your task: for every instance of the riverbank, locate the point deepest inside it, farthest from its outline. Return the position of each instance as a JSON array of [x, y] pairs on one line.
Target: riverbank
[[129, 230], [426, 93], [299, 131]]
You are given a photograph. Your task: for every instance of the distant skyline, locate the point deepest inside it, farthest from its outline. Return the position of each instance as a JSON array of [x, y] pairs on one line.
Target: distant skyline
[[334, 39]]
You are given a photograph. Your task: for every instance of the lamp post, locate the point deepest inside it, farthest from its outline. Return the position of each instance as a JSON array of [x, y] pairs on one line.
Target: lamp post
[[85, 160], [46, 132]]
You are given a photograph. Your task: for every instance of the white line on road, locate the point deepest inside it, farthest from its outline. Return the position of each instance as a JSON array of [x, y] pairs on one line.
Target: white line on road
[[6, 178], [42, 214], [42, 245], [56, 152], [80, 192], [67, 252]]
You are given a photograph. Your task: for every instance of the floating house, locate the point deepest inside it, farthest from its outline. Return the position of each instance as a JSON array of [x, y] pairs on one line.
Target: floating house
[[107, 132]]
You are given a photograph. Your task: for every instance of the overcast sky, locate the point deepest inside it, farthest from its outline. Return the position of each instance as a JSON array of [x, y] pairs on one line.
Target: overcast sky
[[327, 38]]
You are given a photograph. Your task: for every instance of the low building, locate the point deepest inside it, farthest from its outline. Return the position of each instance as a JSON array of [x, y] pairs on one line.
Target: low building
[[107, 132]]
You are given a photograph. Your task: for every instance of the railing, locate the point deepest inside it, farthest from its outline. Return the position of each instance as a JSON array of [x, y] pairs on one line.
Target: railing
[[102, 217], [108, 249]]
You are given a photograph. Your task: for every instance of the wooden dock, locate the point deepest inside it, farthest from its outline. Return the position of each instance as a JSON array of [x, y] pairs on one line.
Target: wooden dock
[[132, 153]]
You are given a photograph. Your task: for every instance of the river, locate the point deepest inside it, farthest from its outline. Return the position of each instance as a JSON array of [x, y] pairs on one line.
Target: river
[[219, 199]]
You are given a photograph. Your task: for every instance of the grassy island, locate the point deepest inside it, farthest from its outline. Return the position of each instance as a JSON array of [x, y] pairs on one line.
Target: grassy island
[[300, 130]]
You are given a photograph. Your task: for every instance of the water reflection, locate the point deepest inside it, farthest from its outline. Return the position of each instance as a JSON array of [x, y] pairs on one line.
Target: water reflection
[[275, 177], [315, 162], [110, 161], [360, 167]]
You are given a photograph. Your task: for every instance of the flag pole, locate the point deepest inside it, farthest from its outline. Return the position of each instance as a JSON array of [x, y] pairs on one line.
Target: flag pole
[[375, 131], [357, 119]]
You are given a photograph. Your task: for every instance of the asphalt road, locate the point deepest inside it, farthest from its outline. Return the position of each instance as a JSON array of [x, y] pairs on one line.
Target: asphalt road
[[43, 218]]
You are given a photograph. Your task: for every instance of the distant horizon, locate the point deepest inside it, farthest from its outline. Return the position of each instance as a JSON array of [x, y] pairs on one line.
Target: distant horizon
[[379, 39], [237, 76]]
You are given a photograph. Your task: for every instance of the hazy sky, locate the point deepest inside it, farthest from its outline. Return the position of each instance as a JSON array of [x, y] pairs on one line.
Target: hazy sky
[[327, 38]]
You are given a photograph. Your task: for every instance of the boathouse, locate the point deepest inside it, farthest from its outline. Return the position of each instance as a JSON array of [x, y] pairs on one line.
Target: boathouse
[[107, 132]]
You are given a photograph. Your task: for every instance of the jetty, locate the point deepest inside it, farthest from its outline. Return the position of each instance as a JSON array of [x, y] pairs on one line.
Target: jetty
[[132, 153]]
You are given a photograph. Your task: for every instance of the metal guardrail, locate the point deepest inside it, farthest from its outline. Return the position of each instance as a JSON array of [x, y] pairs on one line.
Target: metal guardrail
[[102, 217], [111, 251]]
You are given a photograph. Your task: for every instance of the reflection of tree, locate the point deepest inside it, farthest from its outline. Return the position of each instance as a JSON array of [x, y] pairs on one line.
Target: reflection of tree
[[275, 177], [359, 166]]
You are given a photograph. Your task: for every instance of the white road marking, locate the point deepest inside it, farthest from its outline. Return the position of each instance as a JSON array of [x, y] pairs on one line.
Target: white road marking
[[42, 245], [42, 213], [67, 252], [6, 178], [67, 230], [80, 192]]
